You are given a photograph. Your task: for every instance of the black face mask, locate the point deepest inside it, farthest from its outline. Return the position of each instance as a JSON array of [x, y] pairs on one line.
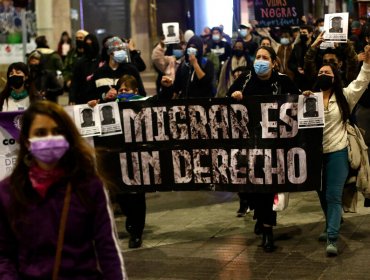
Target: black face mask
[[35, 68], [304, 38], [16, 81], [88, 50], [324, 82], [238, 53], [79, 44]]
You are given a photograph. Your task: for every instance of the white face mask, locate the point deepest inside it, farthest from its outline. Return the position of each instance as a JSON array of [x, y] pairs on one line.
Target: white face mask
[[321, 28]]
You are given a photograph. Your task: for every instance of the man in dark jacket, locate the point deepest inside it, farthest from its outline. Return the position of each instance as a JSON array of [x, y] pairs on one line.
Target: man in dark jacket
[[106, 77], [81, 86], [43, 81], [219, 47], [296, 61]]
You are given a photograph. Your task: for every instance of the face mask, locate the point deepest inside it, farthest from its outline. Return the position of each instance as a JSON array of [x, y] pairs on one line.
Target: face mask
[[89, 50], [243, 32], [35, 67], [324, 82], [178, 53], [16, 81], [321, 28], [48, 149], [261, 67], [216, 37], [303, 37], [119, 56], [284, 41], [79, 44], [191, 50], [238, 53]]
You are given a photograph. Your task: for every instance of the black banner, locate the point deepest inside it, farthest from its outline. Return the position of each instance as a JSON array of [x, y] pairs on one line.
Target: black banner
[[278, 12], [213, 144]]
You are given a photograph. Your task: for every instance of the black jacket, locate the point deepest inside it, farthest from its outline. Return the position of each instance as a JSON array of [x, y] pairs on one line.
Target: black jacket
[[46, 81], [277, 84], [105, 76], [82, 88]]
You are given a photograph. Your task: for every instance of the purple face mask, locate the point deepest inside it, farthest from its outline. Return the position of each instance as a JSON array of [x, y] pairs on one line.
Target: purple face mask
[[48, 149]]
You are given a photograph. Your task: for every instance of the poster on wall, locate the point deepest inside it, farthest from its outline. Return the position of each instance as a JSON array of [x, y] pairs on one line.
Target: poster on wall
[[278, 13], [11, 24]]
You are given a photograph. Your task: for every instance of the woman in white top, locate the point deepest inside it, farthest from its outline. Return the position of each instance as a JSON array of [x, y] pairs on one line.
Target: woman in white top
[[338, 104], [16, 94]]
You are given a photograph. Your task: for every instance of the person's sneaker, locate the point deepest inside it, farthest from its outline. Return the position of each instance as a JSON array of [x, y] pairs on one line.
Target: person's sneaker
[[134, 242], [331, 249], [323, 236]]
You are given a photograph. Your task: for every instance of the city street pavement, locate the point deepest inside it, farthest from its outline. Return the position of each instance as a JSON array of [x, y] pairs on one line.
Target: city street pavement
[[196, 235]]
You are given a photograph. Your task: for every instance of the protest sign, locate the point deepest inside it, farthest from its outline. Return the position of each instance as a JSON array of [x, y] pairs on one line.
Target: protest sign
[[278, 12], [213, 144]]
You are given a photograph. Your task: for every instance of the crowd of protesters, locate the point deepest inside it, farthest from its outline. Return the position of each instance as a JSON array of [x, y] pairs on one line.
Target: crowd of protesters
[[264, 61]]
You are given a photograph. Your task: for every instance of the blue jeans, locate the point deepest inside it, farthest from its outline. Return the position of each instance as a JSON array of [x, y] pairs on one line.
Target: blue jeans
[[335, 172]]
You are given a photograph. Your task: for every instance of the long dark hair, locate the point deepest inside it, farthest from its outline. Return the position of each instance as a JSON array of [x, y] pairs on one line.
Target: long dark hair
[[79, 162], [271, 51], [229, 61], [4, 95], [337, 90], [69, 40]]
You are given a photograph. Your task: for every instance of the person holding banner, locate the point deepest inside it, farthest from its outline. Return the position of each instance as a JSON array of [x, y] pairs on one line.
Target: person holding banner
[[55, 217], [263, 79], [338, 104], [105, 78], [17, 94]]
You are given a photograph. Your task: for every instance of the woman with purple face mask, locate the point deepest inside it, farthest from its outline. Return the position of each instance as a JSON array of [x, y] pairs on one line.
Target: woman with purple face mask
[[54, 178]]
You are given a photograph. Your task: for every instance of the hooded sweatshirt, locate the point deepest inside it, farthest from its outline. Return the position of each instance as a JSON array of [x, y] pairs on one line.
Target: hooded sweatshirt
[[187, 83]]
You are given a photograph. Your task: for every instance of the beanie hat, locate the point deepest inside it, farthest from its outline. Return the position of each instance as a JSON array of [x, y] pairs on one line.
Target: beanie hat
[[188, 34], [114, 44], [219, 29]]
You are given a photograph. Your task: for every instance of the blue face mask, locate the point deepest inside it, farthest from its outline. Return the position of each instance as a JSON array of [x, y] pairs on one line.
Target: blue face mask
[[243, 32], [261, 67], [120, 56], [284, 41], [178, 53], [191, 50], [216, 37]]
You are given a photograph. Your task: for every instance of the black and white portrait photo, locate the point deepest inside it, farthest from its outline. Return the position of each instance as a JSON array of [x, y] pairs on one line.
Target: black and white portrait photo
[[171, 32], [310, 107], [87, 118]]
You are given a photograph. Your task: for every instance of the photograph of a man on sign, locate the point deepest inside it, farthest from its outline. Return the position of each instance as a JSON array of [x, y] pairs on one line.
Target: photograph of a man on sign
[[336, 27]]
